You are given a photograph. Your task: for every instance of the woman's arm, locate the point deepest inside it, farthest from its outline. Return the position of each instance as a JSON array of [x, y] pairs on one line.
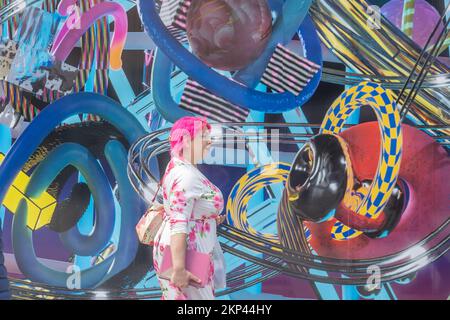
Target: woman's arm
[[184, 191], [178, 245], [180, 276]]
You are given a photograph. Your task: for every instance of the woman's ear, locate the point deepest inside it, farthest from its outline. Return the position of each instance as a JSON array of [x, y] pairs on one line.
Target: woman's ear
[[186, 141]]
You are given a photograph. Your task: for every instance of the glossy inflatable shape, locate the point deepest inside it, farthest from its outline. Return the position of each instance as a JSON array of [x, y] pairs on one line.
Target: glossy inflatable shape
[[221, 86], [426, 171], [69, 35], [318, 179]]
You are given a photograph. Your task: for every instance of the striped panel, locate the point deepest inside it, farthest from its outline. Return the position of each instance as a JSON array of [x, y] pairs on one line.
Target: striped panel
[[199, 100], [408, 17], [181, 16], [288, 71], [178, 34], [11, 24], [81, 79], [168, 11], [101, 81], [22, 105], [174, 15], [102, 43], [50, 5]]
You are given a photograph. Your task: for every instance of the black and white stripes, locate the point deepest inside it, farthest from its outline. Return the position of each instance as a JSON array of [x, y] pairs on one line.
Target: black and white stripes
[[178, 34], [287, 71], [168, 11], [200, 101], [174, 13]]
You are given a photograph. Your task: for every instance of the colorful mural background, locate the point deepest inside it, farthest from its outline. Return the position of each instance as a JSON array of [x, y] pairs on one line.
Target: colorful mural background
[[355, 90]]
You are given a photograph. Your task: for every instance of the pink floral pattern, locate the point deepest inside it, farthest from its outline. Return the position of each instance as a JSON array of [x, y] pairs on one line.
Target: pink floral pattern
[[191, 203]]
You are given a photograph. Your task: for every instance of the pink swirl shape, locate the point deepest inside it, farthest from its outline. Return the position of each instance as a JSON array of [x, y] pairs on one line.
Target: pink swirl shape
[[68, 36]]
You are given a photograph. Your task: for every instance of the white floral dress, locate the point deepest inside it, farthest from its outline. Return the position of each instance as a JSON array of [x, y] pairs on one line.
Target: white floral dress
[[191, 204]]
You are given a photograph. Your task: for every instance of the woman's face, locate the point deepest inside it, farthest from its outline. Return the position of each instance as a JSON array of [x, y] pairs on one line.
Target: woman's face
[[200, 145]]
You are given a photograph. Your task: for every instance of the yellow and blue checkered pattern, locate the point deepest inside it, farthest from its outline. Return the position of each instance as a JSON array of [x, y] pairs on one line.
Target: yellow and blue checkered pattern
[[246, 187], [382, 102]]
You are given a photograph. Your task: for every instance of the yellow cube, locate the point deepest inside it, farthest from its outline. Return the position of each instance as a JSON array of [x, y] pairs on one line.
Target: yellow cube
[[40, 209]]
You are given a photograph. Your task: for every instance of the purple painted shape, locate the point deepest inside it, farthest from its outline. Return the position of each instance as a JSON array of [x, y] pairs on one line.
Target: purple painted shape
[[431, 282], [46, 242], [425, 19], [289, 287]]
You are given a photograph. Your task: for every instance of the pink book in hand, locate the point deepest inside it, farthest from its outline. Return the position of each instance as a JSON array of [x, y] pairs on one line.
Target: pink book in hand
[[197, 263]]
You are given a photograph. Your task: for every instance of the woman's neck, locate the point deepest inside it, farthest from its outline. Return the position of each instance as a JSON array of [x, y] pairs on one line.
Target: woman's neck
[[188, 158]]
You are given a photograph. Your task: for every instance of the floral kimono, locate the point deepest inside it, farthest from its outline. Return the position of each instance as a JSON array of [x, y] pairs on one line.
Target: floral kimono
[[191, 204]]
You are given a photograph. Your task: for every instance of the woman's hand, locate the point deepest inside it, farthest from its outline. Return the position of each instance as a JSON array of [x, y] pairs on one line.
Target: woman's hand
[[221, 219], [181, 278]]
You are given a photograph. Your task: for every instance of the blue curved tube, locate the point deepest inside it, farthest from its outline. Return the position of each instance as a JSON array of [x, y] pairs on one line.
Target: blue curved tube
[[162, 97], [80, 158], [313, 51], [130, 204], [162, 68], [30, 266], [5, 138], [221, 86], [276, 5], [5, 144], [22, 149], [52, 116], [42, 176]]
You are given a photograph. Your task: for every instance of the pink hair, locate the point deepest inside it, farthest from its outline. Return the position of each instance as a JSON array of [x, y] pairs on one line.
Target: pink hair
[[183, 127]]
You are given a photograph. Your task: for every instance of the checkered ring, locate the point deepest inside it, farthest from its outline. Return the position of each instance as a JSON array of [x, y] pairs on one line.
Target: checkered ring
[[381, 101]]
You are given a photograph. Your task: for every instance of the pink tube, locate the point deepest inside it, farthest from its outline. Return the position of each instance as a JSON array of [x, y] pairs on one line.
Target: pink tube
[[64, 6], [67, 38], [63, 10]]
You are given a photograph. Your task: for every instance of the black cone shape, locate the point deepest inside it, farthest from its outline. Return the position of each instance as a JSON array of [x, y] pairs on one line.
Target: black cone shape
[[318, 178]]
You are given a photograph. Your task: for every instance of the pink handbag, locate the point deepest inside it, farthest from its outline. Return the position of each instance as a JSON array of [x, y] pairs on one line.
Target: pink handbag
[[197, 263], [149, 224]]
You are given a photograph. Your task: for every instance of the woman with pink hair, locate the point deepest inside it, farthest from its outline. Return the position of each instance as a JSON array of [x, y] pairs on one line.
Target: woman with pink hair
[[192, 206]]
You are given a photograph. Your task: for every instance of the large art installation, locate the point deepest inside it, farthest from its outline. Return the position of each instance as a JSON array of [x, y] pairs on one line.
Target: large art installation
[[330, 143]]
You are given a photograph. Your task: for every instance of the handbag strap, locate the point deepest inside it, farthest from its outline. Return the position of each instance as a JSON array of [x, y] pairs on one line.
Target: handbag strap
[[156, 193], [159, 187]]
